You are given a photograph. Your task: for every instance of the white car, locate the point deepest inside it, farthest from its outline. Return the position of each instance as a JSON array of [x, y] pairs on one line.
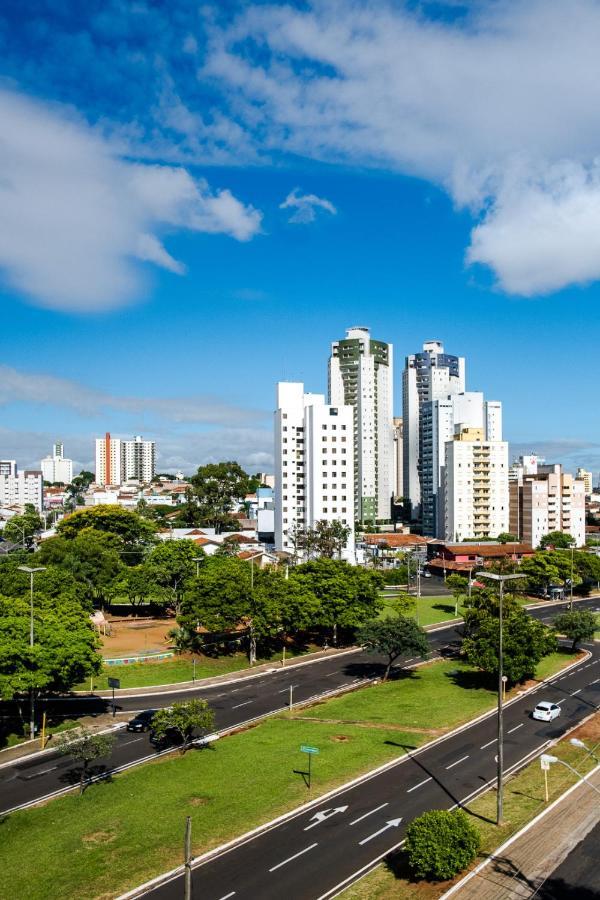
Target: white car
[[546, 711]]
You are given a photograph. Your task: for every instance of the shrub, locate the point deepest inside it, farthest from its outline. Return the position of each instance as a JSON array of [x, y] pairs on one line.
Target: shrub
[[441, 843]]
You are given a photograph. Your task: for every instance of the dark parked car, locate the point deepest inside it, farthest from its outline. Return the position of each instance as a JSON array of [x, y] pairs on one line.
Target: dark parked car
[[141, 722]]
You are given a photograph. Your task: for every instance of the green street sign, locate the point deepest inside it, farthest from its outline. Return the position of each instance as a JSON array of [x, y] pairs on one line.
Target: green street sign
[[305, 749]]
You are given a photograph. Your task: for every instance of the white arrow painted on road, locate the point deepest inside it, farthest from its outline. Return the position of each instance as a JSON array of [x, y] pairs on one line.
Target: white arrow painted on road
[[392, 823], [325, 814]]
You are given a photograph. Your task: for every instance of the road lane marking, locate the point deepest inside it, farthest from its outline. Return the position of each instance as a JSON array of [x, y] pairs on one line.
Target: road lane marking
[[286, 689], [576, 692], [370, 813], [451, 766], [295, 856], [323, 815], [420, 784], [489, 744], [516, 728], [227, 896], [596, 681], [245, 703], [393, 823]]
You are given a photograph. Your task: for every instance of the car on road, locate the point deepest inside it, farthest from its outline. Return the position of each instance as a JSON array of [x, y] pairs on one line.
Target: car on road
[[546, 711], [142, 721]]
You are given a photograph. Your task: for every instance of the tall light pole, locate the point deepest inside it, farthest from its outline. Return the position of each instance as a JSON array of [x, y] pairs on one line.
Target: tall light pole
[[31, 571], [197, 560], [501, 579], [572, 565]]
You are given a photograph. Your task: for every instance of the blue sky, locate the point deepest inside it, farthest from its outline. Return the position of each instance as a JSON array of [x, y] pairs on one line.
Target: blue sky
[[195, 202]]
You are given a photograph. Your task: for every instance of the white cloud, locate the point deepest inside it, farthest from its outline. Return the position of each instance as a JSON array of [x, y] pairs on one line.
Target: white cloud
[[48, 390], [74, 217], [498, 107], [305, 206]]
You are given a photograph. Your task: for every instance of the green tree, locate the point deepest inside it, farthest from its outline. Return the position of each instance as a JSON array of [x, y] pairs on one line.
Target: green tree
[[92, 557], [546, 568], [505, 537], [559, 540], [169, 566], [228, 547], [330, 538], [441, 843], [577, 626], [85, 746], [349, 595], [135, 532], [393, 638], [135, 584], [217, 487], [64, 651], [183, 719], [525, 642], [75, 491], [24, 529]]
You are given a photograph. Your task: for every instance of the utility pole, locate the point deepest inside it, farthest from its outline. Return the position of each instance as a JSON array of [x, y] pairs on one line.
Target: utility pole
[[187, 859], [31, 572], [572, 565], [418, 590], [501, 579]]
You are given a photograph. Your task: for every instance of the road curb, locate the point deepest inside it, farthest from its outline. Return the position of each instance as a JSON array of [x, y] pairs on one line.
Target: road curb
[[165, 877]]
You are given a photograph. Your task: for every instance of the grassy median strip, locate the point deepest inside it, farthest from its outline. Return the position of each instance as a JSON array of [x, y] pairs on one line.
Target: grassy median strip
[[124, 831]]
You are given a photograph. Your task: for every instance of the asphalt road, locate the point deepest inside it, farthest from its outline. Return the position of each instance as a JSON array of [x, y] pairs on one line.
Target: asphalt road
[[41, 776], [314, 853]]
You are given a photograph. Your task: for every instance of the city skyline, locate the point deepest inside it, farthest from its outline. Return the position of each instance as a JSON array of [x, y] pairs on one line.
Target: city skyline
[[229, 256]]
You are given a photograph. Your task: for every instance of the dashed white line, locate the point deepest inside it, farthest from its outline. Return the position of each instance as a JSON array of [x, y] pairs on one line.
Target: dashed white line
[[596, 681], [516, 728], [451, 766], [420, 784], [245, 703], [287, 689], [370, 813], [576, 692], [227, 896], [489, 744], [295, 856]]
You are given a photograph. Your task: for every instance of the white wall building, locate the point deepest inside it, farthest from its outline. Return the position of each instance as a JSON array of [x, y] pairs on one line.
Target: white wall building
[[314, 463], [57, 467], [587, 477], [138, 460], [429, 375], [441, 420], [544, 499], [8, 467], [361, 376], [398, 456], [108, 460], [476, 501], [20, 488]]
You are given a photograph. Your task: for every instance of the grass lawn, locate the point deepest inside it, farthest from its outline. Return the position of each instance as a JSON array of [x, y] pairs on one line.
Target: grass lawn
[[523, 800], [123, 832], [179, 668], [431, 609]]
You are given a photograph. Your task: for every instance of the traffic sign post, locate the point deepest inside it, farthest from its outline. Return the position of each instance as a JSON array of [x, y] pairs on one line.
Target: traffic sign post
[[114, 683], [311, 751]]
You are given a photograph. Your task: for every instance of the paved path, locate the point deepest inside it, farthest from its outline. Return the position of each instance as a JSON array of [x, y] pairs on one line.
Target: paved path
[[550, 859]]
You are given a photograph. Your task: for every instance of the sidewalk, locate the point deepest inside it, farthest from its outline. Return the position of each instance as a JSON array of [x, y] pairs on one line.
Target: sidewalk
[[520, 870]]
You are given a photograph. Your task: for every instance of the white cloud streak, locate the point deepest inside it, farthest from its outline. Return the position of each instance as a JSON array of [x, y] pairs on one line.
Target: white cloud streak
[[498, 108], [75, 218], [305, 206], [48, 390]]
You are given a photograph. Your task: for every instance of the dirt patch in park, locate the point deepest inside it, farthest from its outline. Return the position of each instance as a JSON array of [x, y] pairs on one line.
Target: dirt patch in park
[[340, 738], [130, 636], [199, 801], [98, 837]]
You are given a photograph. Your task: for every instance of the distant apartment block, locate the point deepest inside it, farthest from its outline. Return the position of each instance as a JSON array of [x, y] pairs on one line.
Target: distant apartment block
[[361, 377], [398, 457], [543, 499], [314, 464], [587, 478], [118, 461], [56, 467], [20, 488]]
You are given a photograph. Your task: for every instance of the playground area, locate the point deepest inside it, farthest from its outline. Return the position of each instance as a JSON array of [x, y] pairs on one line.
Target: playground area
[[129, 636]]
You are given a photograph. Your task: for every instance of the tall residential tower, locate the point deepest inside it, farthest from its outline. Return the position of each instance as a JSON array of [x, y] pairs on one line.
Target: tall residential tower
[[361, 376]]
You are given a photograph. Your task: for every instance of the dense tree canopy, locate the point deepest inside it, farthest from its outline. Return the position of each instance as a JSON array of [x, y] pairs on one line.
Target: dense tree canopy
[[23, 529], [557, 539], [169, 565], [577, 626], [93, 558], [216, 488], [550, 567], [348, 595], [525, 642], [393, 638], [134, 531]]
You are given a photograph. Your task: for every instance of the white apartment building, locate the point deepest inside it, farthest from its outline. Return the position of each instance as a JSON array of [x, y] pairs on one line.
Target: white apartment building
[[8, 467], [476, 499], [20, 488], [314, 464], [587, 478], [108, 460], [57, 467], [543, 499], [138, 460], [441, 420], [398, 456], [361, 376], [429, 375]]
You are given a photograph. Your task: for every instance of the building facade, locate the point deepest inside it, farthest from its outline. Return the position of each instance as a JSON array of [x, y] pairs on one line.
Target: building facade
[[587, 478], [57, 467], [108, 460], [543, 499], [475, 483], [314, 464], [398, 457], [429, 375], [361, 377], [21, 488], [138, 460]]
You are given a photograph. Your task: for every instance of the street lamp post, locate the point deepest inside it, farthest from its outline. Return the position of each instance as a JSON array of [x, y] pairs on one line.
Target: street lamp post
[[31, 572], [547, 759], [197, 560], [572, 566], [501, 579]]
